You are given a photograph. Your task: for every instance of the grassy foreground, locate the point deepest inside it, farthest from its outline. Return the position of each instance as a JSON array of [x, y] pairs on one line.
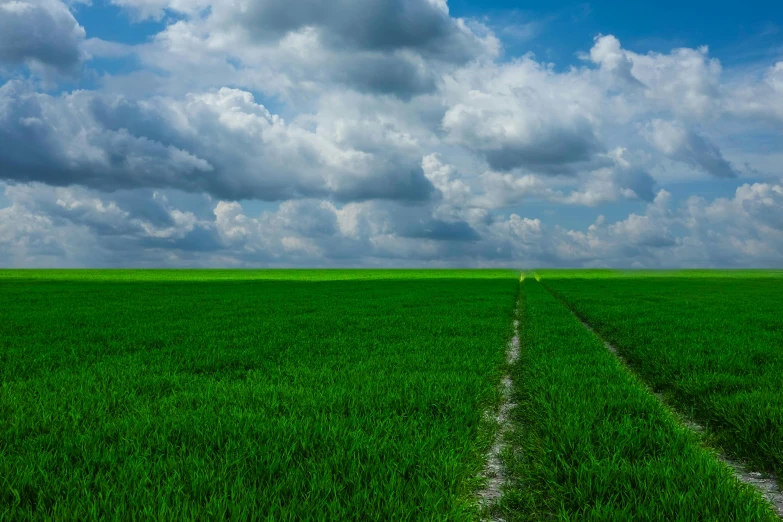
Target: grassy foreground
[[714, 347], [212, 275], [591, 443], [203, 400], [698, 273]]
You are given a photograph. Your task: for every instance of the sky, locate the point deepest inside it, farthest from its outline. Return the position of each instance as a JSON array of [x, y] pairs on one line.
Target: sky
[[391, 133]]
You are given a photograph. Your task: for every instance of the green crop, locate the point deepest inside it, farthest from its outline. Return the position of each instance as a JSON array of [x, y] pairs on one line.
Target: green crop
[[214, 274], [591, 442], [170, 396], [713, 347], [362, 394], [605, 273]]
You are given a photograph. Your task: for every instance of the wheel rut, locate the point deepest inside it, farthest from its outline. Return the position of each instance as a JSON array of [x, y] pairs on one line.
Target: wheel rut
[[494, 471], [766, 485]]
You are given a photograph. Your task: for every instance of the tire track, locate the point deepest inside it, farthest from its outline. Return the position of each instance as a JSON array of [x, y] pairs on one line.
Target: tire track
[[767, 486], [494, 471]]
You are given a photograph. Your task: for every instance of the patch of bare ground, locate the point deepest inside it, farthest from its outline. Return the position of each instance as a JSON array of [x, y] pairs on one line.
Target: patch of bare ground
[[494, 472]]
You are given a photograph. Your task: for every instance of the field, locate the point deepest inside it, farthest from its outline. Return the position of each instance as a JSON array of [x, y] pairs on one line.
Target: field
[[712, 345], [193, 399], [592, 442], [370, 394]]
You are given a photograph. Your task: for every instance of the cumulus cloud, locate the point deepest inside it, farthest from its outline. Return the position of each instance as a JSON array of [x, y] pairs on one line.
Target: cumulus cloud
[[523, 115], [762, 100], [685, 81], [688, 146], [612, 58], [619, 179], [157, 9], [62, 226], [383, 25], [40, 33], [390, 47], [695, 233], [132, 215], [57, 226], [222, 143], [405, 141]]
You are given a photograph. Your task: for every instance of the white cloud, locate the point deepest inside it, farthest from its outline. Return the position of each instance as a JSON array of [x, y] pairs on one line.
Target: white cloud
[[761, 100], [156, 9], [219, 142], [686, 145], [524, 115], [685, 81], [61, 226], [40, 33], [405, 140], [390, 47], [98, 48]]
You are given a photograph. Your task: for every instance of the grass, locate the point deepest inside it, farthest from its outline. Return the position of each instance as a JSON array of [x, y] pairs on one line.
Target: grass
[[712, 346], [606, 273], [214, 274], [172, 396], [591, 443], [360, 394]]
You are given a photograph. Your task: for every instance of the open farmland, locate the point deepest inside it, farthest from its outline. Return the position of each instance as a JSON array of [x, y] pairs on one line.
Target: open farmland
[[593, 444], [174, 397], [711, 343], [370, 394]]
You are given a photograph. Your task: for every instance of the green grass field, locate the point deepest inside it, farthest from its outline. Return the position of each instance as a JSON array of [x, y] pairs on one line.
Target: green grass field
[[214, 275], [712, 345], [298, 400], [592, 442], [364, 394]]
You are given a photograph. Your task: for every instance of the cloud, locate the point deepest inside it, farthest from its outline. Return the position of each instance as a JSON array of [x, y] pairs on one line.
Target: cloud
[[40, 33], [761, 101], [649, 230], [56, 140], [221, 142], [688, 146], [618, 179], [78, 227], [99, 48], [423, 26], [156, 9], [391, 47], [523, 115], [399, 74], [48, 226], [685, 81], [376, 133], [612, 58], [442, 230], [132, 215]]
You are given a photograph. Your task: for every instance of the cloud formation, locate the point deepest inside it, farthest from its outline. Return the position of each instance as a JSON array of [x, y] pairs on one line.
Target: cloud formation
[[374, 133], [688, 146], [222, 143], [40, 33], [62, 226]]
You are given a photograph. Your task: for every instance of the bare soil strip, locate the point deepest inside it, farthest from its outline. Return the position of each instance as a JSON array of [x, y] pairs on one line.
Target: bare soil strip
[[766, 485], [494, 471]]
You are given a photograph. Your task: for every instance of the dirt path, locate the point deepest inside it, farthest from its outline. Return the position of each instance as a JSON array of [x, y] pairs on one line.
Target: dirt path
[[493, 471], [766, 485]]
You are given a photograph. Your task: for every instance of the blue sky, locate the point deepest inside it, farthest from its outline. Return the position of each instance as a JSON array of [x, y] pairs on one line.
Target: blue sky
[[110, 22], [734, 34], [391, 132]]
